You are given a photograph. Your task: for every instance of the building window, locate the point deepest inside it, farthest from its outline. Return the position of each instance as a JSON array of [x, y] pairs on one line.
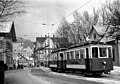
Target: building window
[[95, 36]]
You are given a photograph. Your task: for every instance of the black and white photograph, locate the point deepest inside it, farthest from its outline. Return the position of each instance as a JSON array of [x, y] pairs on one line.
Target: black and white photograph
[[59, 41]]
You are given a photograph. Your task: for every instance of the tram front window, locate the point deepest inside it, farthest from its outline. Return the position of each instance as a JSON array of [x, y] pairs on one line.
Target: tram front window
[[103, 52], [110, 52], [94, 52]]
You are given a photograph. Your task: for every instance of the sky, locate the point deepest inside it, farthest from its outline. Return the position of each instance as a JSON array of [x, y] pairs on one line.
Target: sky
[[39, 12]]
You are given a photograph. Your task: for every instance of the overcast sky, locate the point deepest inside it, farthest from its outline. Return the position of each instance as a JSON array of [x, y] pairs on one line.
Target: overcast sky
[[49, 12]]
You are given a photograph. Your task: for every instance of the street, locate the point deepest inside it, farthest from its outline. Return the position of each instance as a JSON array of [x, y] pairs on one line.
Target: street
[[40, 77], [45, 76], [72, 78], [22, 77]]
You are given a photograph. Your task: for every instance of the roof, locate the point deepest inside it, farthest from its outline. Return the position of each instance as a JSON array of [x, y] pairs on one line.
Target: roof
[[41, 39], [100, 29], [5, 27], [59, 49], [23, 57], [86, 43]]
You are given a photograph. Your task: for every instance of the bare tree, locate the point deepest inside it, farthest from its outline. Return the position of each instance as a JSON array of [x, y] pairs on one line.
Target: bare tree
[[84, 23], [10, 8], [63, 30], [110, 13]]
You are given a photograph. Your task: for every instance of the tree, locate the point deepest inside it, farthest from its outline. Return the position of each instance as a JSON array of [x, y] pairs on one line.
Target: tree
[[110, 13], [10, 8], [78, 30], [63, 30], [84, 22]]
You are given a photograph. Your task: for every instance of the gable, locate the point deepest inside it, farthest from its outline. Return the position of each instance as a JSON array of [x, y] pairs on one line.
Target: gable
[[93, 35], [100, 29], [97, 32], [40, 39], [7, 29], [48, 42], [23, 58]]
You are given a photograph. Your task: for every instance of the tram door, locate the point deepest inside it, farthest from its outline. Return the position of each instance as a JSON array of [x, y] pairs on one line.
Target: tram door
[[87, 59], [61, 61]]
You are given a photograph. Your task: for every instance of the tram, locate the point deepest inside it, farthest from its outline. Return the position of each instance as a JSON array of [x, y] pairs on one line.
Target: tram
[[88, 58]]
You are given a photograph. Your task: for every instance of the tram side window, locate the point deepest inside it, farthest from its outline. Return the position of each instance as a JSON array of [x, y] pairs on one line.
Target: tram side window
[[68, 56], [64, 57], [55, 57], [82, 53], [72, 54], [76, 54], [95, 52], [113, 54], [61, 56], [87, 53], [103, 52], [110, 52]]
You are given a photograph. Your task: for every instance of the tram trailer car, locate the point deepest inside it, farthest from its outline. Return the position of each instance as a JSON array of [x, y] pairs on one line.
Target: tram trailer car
[[87, 58]]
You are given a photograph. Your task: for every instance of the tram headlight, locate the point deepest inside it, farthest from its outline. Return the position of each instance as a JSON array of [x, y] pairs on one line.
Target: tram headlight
[[104, 62]]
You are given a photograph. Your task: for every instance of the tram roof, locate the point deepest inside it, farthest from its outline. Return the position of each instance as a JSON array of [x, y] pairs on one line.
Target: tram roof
[[85, 44], [79, 45], [60, 49]]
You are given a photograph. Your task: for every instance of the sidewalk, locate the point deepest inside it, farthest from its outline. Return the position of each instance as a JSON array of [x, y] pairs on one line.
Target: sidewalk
[[116, 70]]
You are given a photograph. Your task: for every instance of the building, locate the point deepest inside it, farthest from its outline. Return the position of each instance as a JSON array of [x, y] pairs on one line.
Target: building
[[23, 62], [7, 37], [99, 34], [45, 45], [17, 52], [27, 52]]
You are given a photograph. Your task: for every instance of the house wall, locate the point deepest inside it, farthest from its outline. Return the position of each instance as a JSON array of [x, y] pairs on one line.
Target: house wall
[[6, 51], [23, 61], [116, 52], [94, 36]]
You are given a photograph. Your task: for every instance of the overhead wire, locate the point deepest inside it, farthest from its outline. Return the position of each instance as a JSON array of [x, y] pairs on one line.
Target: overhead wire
[[59, 19], [72, 12]]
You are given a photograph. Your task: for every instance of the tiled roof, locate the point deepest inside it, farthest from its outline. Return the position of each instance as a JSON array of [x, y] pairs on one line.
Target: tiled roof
[[5, 27]]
